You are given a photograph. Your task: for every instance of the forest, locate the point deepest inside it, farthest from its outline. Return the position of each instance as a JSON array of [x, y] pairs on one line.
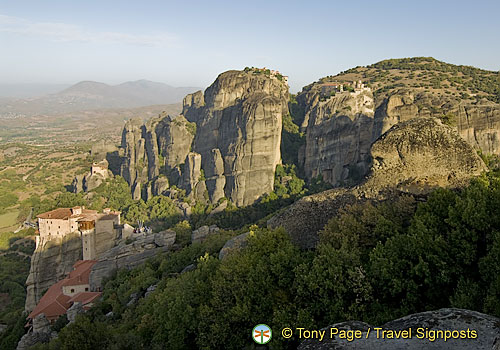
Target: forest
[[375, 262]]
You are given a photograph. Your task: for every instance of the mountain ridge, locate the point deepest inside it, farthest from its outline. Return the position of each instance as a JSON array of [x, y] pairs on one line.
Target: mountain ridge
[[89, 95]]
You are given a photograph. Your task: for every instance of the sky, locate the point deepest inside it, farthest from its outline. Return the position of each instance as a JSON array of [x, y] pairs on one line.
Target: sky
[[188, 43]]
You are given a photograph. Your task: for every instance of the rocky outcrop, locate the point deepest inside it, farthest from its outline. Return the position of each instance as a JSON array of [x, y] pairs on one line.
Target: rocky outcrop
[[412, 157], [74, 310], [233, 245], [480, 125], [192, 180], [98, 173], [226, 143], [420, 154], [199, 235], [241, 119], [40, 333], [338, 136], [99, 149], [51, 262], [130, 253], [341, 128], [478, 122], [428, 330]]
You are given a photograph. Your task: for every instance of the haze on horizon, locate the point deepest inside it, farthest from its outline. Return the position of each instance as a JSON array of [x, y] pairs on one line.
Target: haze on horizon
[[60, 42]]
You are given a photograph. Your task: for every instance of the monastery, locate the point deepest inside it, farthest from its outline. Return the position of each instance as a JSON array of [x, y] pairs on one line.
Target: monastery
[[98, 231]]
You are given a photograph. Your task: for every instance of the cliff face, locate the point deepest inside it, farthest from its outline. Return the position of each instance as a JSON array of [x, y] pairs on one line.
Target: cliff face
[[50, 263], [225, 144], [411, 158], [338, 135], [340, 129], [478, 122]]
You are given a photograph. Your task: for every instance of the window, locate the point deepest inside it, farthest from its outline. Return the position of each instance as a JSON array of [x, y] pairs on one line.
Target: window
[[72, 290], [86, 289]]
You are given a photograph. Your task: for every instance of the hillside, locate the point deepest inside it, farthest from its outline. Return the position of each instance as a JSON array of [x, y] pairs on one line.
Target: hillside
[[424, 74], [232, 180]]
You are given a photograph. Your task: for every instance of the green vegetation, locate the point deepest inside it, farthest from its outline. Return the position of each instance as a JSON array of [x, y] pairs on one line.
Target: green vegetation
[[191, 127], [449, 119], [429, 73], [8, 219], [291, 137], [288, 187], [14, 268], [374, 262]]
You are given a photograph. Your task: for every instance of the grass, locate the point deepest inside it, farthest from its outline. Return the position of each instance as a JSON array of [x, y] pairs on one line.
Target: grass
[[7, 237], [8, 220]]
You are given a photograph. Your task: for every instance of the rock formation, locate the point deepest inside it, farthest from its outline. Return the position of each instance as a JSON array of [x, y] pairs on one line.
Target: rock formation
[[40, 333], [199, 235], [234, 244], [487, 330], [130, 253], [338, 135], [341, 127], [226, 143], [97, 175], [478, 122], [51, 262], [412, 157]]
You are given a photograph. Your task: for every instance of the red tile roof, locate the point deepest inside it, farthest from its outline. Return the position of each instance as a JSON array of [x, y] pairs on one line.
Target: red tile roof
[[85, 297], [64, 213], [80, 274], [55, 303]]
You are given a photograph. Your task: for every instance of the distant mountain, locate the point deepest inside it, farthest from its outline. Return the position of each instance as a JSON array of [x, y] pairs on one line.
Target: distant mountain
[[87, 95], [28, 90]]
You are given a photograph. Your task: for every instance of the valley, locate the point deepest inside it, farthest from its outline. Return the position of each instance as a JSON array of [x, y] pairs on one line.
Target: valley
[[356, 191]]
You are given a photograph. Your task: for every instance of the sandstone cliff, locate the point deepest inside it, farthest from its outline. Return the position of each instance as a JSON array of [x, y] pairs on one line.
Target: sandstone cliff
[[51, 262], [338, 135], [412, 157], [341, 128], [98, 173], [226, 143], [478, 122]]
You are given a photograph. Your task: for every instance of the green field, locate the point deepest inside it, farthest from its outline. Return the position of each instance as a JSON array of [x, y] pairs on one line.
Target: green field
[[8, 221]]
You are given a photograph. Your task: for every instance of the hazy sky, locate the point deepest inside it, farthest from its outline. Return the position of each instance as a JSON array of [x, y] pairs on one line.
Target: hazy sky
[[188, 43]]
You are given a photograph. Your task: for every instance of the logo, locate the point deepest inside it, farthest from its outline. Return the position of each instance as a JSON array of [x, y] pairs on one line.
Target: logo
[[262, 334]]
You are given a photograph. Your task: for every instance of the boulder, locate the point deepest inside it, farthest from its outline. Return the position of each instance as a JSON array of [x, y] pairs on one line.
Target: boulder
[[188, 268], [199, 235], [486, 328], [41, 333], [150, 290], [165, 238], [413, 157], [234, 244], [73, 311]]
